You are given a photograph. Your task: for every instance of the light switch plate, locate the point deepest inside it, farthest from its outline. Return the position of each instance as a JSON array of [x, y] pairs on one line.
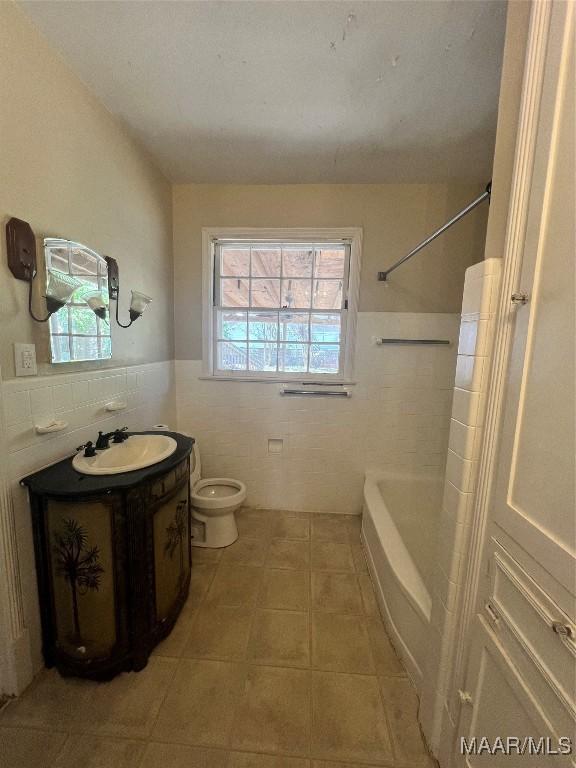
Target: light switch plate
[[25, 359]]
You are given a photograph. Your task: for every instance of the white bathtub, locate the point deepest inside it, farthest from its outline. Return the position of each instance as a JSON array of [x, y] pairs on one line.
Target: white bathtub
[[399, 529]]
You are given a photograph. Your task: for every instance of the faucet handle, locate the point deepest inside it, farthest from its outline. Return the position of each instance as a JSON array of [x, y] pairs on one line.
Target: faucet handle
[[88, 448], [119, 435]]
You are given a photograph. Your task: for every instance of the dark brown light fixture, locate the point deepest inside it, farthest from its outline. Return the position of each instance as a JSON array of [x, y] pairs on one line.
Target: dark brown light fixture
[[139, 300], [21, 250], [95, 301]]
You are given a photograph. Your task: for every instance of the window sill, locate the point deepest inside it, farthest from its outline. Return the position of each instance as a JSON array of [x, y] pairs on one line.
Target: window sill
[[281, 382]]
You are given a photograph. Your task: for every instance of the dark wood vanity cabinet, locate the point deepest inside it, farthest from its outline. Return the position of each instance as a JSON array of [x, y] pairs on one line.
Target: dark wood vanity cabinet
[[113, 560]]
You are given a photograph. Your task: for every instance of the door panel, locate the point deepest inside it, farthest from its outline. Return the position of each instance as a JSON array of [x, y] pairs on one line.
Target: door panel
[[539, 479], [171, 551], [505, 705], [521, 674], [534, 499], [522, 617], [81, 555], [529, 616]]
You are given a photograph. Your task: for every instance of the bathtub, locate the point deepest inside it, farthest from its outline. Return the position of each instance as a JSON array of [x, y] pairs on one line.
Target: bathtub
[[400, 520]]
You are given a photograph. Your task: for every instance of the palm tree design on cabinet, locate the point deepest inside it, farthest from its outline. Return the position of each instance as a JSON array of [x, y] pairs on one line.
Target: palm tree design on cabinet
[[176, 534], [78, 564]]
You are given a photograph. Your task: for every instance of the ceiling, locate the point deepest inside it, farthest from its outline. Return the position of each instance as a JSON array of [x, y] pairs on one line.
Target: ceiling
[[293, 92]]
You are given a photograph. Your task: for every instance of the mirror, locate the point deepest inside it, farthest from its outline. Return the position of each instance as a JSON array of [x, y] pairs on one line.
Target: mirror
[[81, 329]]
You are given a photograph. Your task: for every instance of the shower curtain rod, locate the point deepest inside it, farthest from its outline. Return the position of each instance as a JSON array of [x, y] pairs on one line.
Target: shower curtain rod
[[383, 276]]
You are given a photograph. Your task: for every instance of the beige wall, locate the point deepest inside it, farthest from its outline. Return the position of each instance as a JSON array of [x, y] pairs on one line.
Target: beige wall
[[68, 168], [394, 218]]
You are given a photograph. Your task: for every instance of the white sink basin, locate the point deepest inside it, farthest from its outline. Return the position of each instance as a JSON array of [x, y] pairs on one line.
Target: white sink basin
[[137, 452]]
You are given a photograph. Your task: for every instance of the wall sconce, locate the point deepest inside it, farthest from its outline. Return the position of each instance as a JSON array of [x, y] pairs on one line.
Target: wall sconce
[[21, 250], [138, 304], [96, 302], [58, 292], [139, 301]]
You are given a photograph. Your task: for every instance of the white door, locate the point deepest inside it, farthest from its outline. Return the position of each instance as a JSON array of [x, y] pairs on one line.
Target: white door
[[522, 669]]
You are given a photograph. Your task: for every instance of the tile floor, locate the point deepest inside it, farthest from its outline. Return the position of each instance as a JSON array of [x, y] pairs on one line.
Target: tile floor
[[278, 660]]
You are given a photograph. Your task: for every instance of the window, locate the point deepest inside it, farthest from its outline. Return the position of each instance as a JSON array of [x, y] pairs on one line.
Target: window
[[281, 308], [76, 332]]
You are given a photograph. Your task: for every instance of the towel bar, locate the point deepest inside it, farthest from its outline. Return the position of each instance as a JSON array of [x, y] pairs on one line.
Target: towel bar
[[379, 342], [316, 392]]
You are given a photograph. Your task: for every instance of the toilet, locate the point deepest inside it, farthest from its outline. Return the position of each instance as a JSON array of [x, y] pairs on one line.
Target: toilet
[[214, 501]]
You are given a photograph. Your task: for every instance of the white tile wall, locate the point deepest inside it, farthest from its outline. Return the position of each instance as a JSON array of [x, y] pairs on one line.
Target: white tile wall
[[398, 416], [464, 446], [79, 399]]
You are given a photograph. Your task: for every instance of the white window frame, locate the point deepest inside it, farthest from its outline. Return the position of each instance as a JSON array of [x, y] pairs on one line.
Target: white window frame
[[350, 235]]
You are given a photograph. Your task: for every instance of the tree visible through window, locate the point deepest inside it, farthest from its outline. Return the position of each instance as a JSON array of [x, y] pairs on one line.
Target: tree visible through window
[[280, 308], [76, 333]]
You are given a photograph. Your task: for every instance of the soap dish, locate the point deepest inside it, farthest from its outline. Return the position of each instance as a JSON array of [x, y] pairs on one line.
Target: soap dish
[[50, 426]]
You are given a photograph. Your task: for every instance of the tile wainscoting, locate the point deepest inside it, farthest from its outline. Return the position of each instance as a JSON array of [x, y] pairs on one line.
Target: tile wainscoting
[[439, 701], [398, 417], [78, 399]]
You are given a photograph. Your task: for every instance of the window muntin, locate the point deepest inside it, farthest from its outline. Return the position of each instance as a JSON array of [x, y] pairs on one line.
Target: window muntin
[[76, 333], [280, 309]]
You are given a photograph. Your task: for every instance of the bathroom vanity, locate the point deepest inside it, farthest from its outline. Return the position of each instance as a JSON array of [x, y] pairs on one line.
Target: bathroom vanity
[[113, 561]]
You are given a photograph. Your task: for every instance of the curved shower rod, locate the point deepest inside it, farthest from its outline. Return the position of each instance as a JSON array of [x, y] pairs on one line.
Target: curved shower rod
[[383, 276]]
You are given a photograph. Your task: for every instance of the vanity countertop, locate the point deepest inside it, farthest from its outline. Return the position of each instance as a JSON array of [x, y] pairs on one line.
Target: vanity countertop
[[63, 481]]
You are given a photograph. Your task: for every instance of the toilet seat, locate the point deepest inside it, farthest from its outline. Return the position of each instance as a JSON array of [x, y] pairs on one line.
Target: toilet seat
[[214, 502], [218, 493]]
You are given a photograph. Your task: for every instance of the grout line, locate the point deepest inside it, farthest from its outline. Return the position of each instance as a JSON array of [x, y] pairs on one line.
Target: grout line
[[145, 740], [177, 660], [277, 755], [62, 747], [277, 665], [212, 570], [252, 607], [48, 727]]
